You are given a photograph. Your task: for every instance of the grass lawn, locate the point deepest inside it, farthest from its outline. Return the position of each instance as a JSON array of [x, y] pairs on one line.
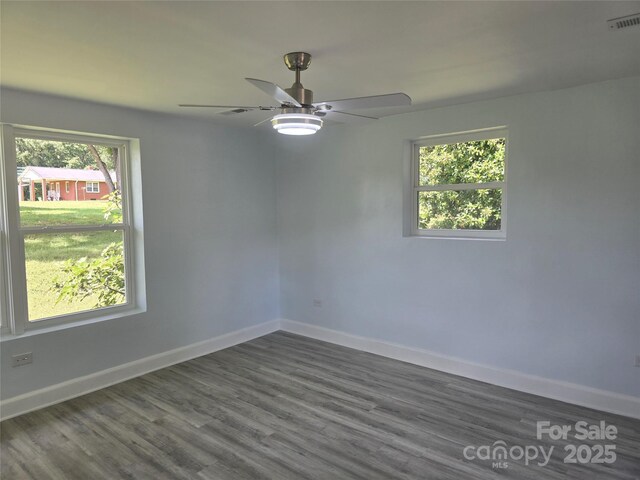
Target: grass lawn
[[62, 213], [46, 254]]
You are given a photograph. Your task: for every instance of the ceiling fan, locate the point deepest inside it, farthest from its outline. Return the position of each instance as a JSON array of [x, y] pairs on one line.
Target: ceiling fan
[[299, 115]]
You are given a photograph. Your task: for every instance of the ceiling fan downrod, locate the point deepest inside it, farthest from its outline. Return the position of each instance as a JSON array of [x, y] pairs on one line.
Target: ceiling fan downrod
[[297, 62]]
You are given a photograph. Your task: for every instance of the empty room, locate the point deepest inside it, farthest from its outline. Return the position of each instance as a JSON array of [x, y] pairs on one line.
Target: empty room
[[324, 240]]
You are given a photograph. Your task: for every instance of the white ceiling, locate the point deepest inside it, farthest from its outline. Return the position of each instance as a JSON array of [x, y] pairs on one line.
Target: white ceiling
[[154, 55]]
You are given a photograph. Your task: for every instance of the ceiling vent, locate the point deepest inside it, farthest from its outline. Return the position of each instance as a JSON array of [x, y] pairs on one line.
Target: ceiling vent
[[624, 22]]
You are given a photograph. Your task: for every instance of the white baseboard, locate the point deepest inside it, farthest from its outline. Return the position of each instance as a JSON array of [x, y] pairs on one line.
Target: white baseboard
[[60, 392], [567, 392], [612, 402]]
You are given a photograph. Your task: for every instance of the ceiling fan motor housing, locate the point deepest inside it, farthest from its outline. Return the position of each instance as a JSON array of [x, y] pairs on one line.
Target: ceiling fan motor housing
[[301, 94]]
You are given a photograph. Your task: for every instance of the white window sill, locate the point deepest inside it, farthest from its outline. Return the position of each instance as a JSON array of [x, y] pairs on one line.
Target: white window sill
[[38, 328], [451, 235]]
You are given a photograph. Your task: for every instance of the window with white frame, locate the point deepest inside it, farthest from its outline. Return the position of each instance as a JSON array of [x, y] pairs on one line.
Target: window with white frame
[[93, 187], [459, 185], [69, 259]]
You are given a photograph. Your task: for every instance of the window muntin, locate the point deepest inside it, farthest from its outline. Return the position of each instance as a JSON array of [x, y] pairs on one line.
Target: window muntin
[[28, 233], [459, 185]]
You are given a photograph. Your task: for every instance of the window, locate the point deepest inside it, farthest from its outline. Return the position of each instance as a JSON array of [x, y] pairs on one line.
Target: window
[[66, 187], [93, 187], [74, 259], [459, 185]]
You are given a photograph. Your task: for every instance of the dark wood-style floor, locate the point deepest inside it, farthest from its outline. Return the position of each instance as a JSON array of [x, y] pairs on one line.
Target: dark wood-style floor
[[288, 407]]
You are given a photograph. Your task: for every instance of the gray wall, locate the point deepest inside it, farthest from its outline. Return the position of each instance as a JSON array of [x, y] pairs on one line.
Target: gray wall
[[560, 298], [210, 239]]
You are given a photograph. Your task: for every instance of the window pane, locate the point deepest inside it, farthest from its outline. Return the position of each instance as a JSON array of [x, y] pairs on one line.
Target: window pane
[[460, 209], [62, 183], [465, 162], [73, 272]]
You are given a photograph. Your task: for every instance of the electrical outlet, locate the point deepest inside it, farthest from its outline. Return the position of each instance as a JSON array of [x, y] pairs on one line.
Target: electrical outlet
[[637, 360], [22, 359], [317, 303]]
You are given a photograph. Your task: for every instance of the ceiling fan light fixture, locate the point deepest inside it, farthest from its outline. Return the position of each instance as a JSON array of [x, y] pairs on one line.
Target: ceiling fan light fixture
[[296, 123]]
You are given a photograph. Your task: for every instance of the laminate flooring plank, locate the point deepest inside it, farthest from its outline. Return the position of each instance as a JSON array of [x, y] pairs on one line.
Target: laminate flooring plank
[[119, 430]]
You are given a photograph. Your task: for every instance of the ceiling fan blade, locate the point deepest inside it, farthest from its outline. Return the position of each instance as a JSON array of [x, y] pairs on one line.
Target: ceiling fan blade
[[220, 106], [262, 121], [231, 109], [344, 117], [236, 111], [374, 101], [274, 91]]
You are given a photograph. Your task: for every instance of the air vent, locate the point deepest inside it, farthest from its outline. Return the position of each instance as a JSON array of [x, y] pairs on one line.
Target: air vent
[[624, 22]]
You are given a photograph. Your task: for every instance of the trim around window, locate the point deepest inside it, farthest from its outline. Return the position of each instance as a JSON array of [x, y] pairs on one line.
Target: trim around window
[[13, 272], [413, 187], [4, 255]]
